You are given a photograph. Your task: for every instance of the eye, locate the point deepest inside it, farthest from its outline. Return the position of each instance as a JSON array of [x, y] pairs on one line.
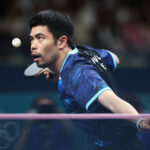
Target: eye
[[40, 38]]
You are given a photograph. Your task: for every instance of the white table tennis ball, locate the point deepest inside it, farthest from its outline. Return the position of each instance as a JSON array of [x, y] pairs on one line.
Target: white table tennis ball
[[16, 42]]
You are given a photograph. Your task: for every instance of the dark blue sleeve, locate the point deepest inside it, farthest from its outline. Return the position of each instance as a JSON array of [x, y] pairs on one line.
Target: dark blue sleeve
[[108, 58]]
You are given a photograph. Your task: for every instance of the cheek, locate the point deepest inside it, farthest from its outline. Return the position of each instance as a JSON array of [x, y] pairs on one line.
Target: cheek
[[46, 48], [50, 52]]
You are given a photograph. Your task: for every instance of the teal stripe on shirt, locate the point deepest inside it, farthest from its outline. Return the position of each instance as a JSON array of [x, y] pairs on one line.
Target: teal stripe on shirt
[[95, 96], [114, 62], [69, 53]]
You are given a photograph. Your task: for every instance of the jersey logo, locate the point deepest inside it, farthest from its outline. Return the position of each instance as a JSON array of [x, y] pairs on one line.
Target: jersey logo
[[95, 59]]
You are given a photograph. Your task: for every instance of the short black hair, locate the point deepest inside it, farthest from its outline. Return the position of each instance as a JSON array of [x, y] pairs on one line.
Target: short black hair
[[57, 22]]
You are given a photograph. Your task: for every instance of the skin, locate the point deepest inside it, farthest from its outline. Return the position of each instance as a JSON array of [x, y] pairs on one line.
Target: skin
[[52, 54]]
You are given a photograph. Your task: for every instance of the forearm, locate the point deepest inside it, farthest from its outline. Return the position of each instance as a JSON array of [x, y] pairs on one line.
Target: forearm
[[122, 106], [115, 104]]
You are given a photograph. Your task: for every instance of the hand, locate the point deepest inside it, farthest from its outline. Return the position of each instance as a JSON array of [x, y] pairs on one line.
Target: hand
[[47, 75], [144, 125], [51, 76]]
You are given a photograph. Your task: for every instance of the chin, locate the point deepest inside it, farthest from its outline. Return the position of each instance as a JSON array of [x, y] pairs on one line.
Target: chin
[[41, 65]]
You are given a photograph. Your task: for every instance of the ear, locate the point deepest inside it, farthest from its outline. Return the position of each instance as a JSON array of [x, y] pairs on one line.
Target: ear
[[62, 42]]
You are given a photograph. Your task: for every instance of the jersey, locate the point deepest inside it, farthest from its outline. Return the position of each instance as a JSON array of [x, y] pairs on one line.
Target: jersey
[[78, 77], [79, 86]]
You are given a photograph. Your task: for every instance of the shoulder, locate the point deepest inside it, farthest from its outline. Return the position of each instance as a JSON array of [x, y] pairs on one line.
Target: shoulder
[[73, 61]]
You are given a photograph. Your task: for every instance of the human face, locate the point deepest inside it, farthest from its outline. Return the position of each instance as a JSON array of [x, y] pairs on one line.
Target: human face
[[43, 47]]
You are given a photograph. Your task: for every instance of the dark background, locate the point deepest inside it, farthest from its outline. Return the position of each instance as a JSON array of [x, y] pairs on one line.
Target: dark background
[[121, 26]]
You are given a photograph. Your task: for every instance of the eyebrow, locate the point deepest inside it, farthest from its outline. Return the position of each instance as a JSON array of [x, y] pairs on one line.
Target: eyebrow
[[37, 34]]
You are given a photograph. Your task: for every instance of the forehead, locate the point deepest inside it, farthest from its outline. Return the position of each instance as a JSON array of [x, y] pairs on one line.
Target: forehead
[[39, 29]]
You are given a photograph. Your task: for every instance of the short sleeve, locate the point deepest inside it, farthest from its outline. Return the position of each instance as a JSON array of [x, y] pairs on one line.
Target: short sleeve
[[108, 58]]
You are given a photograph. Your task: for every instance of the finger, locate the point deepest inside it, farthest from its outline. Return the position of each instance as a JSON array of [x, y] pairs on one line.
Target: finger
[[45, 73], [38, 74], [48, 76]]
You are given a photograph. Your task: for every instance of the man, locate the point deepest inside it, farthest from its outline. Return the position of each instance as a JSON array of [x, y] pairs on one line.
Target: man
[[81, 88]]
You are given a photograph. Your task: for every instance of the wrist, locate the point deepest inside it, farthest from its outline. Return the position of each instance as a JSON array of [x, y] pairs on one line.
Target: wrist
[[138, 124]]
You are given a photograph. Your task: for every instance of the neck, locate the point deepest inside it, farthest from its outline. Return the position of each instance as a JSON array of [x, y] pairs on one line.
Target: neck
[[58, 64]]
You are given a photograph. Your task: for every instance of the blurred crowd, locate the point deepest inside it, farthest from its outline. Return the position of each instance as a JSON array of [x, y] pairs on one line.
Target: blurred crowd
[[122, 26], [49, 133]]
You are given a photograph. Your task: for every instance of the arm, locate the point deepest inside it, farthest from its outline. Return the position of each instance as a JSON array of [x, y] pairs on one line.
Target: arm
[[117, 105]]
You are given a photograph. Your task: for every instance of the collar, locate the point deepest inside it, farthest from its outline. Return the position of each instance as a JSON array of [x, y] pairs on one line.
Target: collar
[[74, 51]]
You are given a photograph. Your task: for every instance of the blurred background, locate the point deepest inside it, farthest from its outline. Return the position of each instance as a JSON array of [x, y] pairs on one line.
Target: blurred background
[[121, 26]]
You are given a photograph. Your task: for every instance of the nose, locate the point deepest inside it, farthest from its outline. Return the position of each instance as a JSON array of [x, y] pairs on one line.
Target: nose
[[34, 45]]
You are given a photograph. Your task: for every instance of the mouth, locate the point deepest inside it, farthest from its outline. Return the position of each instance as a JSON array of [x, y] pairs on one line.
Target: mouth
[[36, 57]]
